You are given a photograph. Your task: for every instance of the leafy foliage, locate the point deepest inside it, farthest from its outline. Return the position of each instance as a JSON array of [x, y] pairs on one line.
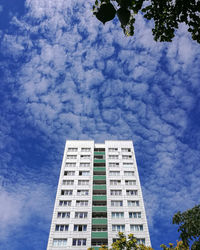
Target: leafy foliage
[[123, 243], [103, 247], [128, 244], [179, 246], [167, 14], [189, 226]]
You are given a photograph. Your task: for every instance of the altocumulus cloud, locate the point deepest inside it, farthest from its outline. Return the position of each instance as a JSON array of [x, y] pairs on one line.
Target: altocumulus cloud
[[21, 205], [77, 79]]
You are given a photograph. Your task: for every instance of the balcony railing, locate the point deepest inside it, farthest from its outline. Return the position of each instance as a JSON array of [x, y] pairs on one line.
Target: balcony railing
[[99, 208], [99, 197], [100, 235], [99, 152], [99, 169], [99, 161], [99, 187], [99, 177], [101, 221]]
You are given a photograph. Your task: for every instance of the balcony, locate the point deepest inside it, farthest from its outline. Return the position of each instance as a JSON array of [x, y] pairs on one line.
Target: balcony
[[99, 173], [96, 243], [99, 177], [99, 203], [99, 228], [99, 209], [99, 182], [99, 197], [99, 160], [99, 169], [99, 221], [99, 149], [99, 215], [99, 165], [99, 187], [99, 192], [103, 235], [99, 152], [99, 156]]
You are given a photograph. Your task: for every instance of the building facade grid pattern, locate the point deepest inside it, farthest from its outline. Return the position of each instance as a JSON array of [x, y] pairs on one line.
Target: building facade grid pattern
[[75, 225]]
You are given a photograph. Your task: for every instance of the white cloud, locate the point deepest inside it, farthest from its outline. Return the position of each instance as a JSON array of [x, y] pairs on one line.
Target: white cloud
[[21, 204], [13, 45], [186, 51], [83, 80], [11, 212]]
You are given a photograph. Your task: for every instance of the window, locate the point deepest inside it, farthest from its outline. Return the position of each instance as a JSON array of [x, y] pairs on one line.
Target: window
[[115, 192], [118, 228], [72, 149], [63, 215], [112, 149], [116, 203], [131, 192], [126, 150], [66, 192], [130, 182], [112, 157], [83, 182], [81, 203], [68, 182], [79, 242], [114, 164], [129, 173], [69, 173], [141, 241], [85, 156], [71, 156], [80, 228], [117, 215], [133, 203], [136, 228], [65, 203], [81, 215], [59, 242], [70, 164], [127, 164], [114, 173], [126, 157], [84, 164], [62, 228], [82, 192], [135, 215], [85, 149], [115, 182], [84, 173]]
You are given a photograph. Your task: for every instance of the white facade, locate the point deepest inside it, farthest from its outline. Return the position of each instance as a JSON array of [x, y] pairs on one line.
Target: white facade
[[98, 194]]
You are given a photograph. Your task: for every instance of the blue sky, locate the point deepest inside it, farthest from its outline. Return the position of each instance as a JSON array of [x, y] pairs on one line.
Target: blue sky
[[63, 75]]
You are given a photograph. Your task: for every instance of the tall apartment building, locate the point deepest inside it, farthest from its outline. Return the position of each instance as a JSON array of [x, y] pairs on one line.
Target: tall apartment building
[[98, 195]]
